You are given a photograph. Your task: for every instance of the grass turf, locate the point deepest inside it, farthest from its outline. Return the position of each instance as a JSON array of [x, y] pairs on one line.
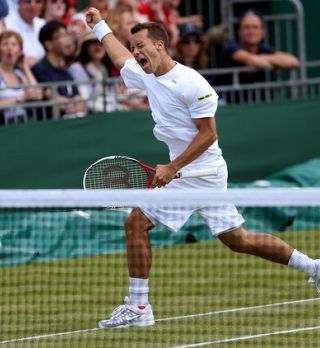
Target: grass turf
[[201, 279]]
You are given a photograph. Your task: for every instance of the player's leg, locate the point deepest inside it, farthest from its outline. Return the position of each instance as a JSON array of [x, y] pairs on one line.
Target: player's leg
[[226, 223], [139, 252], [136, 310], [263, 245], [271, 248]]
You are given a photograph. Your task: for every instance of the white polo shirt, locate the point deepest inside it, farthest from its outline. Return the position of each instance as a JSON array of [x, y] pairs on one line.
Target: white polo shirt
[[29, 33], [176, 98]]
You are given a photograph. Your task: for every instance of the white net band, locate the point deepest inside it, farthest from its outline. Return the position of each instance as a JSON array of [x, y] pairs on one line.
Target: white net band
[[256, 197]]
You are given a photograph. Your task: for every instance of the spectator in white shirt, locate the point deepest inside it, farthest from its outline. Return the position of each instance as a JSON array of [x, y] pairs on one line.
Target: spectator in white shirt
[[26, 21]]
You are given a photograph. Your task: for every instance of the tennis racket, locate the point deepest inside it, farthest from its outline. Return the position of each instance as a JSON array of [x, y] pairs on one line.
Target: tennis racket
[[121, 172]]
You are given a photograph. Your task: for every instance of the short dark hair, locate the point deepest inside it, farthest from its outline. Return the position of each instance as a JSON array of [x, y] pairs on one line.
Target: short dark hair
[[251, 12], [48, 30], [156, 31]]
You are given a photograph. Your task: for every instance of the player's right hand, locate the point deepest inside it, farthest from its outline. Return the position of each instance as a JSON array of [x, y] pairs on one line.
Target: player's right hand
[[164, 174], [93, 17]]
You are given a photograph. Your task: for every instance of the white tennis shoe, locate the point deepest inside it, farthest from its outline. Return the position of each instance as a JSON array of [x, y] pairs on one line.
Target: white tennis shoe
[[127, 315]]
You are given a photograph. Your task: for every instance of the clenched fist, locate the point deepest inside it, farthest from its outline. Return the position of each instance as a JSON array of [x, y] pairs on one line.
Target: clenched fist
[[93, 16]]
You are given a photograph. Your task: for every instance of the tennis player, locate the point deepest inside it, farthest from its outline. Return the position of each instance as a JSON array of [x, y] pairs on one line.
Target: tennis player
[[183, 106]]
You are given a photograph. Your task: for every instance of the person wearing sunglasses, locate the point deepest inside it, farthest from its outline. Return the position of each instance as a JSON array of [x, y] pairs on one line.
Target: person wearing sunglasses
[[191, 49], [27, 22]]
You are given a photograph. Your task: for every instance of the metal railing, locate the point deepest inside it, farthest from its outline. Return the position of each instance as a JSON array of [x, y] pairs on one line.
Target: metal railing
[[279, 85], [52, 108]]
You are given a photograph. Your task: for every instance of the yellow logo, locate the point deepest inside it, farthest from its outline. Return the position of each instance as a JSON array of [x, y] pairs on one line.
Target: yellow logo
[[205, 96]]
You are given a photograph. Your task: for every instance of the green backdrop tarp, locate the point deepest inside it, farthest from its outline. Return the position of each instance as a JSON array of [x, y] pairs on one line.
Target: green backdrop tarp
[[45, 234], [257, 141]]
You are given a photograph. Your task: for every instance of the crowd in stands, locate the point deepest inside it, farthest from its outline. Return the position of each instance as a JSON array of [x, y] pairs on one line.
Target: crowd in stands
[[45, 41]]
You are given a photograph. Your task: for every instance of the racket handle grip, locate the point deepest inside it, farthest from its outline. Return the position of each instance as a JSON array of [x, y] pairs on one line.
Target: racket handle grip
[[197, 173]]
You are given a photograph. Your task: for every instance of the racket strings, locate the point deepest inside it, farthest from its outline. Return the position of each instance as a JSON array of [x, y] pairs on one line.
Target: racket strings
[[116, 173]]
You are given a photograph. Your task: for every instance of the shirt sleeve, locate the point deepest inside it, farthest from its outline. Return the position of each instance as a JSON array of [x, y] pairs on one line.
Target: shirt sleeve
[[132, 74], [201, 98]]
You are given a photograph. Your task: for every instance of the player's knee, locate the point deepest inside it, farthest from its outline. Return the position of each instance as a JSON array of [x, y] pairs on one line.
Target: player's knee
[[238, 245], [236, 241], [135, 224]]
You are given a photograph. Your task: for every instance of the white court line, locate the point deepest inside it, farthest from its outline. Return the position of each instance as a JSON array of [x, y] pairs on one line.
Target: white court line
[[243, 338], [232, 310], [32, 338], [239, 309]]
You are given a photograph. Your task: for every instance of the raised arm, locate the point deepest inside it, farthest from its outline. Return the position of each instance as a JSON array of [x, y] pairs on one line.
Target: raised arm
[[115, 50]]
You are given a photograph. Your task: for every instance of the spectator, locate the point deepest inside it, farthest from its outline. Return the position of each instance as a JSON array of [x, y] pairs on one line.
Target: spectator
[[122, 20], [53, 68], [167, 13], [71, 10], [134, 6], [89, 66], [78, 28], [172, 7], [250, 51], [26, 21], [4, 11], [14, 74], [55, 10], [156, 12], [191, 48], [102, 5]]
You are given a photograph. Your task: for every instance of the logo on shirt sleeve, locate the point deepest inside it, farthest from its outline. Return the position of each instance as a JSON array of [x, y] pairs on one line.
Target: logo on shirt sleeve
[[205, 96]]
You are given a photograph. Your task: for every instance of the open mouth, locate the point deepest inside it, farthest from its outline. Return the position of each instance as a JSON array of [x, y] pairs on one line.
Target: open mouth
[[143, 62]]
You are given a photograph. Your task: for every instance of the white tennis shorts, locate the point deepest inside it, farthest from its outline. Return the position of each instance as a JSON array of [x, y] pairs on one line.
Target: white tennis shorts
[[219, 219]]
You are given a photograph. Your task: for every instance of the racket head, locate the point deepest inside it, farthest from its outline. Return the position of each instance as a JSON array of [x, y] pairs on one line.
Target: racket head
[[118, 172]]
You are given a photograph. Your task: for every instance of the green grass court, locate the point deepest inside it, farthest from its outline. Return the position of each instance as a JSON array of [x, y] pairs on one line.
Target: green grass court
[[202, 295]]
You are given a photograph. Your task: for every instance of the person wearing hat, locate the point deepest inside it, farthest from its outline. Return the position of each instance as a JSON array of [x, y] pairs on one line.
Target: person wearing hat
[[191, 49]]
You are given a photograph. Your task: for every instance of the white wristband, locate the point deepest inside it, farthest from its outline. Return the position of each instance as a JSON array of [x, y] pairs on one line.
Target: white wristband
[[101, 29]]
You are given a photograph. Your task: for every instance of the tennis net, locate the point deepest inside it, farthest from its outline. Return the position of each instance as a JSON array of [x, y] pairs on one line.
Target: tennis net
[[63, 268]]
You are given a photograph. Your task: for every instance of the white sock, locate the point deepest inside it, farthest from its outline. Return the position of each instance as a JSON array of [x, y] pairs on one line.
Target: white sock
[[139, 290], [302, 263]]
